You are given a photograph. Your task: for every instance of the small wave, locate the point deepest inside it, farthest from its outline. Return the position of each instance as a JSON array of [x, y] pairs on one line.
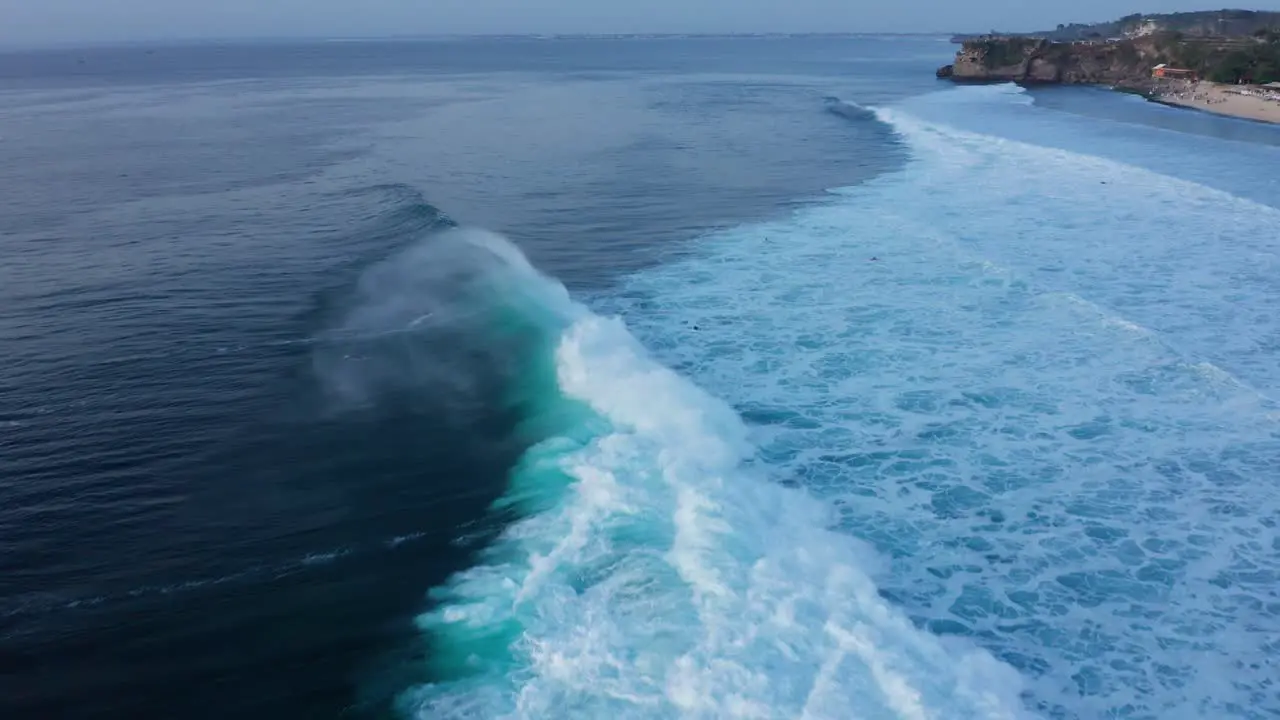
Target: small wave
[[324, 558], [848, 109], [402, 539]]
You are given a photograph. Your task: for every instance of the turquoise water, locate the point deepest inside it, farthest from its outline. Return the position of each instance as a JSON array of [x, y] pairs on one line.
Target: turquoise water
[[989, 436]]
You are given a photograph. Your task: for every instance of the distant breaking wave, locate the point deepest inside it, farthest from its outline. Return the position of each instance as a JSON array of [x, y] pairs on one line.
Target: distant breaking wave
[[848, 109]]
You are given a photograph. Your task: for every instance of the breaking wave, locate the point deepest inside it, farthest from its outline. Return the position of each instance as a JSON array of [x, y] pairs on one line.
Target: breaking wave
[[848, 109], [1039, 382], [653, 572], [954, 379]]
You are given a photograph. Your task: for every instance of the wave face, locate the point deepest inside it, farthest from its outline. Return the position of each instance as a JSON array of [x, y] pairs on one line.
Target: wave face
[[657, 573], [1040, 383]]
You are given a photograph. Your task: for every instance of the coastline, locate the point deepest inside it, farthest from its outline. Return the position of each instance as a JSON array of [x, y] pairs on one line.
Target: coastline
[[1165, 62], [1230, 100]]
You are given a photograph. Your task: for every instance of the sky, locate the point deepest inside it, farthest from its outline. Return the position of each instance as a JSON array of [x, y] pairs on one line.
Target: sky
[[34, 22]]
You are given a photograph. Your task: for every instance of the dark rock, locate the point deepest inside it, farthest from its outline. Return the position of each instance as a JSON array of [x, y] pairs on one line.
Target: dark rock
[[1122, 63], [1039, 61], [1041, 70]]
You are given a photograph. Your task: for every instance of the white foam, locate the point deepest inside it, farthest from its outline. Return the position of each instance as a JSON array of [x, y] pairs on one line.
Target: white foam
[[399, 540], [1047, 403], [1044, 405], [672, 581]]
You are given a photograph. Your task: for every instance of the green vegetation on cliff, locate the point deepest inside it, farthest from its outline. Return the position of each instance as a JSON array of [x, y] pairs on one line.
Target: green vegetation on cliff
[[1258, 64], [1204, 23], [1128, 60], [1226, 60], [999, 52]]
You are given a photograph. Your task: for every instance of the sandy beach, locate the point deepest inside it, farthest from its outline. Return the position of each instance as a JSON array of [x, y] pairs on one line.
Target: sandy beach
[[1235, 100]]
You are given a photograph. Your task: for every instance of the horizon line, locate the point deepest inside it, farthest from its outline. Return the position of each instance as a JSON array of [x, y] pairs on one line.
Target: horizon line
[[425, 37]]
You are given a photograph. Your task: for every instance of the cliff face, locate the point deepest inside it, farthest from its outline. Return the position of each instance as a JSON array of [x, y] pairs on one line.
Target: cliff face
[[1032, 60], [1124, 63], [1226, 46]]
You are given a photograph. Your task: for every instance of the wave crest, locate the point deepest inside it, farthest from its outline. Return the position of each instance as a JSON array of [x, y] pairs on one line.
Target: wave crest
[[653, 574]]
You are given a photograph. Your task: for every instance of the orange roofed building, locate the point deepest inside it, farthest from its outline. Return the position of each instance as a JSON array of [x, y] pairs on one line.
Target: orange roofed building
[[1164, 71]]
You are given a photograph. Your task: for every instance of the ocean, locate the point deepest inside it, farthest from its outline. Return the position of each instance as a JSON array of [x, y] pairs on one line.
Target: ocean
[[758, 377]]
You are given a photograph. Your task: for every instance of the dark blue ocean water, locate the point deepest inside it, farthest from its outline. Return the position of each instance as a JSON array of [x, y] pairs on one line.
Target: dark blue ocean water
[[277, 439]]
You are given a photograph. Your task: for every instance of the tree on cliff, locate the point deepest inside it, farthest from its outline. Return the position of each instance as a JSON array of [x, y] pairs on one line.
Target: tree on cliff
[[1259, 64]]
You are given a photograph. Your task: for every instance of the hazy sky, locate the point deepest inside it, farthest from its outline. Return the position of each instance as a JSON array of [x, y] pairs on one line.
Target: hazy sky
[[56, 21]]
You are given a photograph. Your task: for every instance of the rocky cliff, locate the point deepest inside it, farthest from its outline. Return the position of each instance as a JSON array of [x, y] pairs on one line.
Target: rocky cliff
[[1036, 60], [1125, 63]]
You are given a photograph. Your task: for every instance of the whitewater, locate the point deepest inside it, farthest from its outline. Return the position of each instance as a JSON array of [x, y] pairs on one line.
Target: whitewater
[[992, 436]]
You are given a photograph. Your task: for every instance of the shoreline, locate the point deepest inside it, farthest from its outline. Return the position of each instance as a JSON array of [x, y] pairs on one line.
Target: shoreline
[[1235, 101], [1243, 102]]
